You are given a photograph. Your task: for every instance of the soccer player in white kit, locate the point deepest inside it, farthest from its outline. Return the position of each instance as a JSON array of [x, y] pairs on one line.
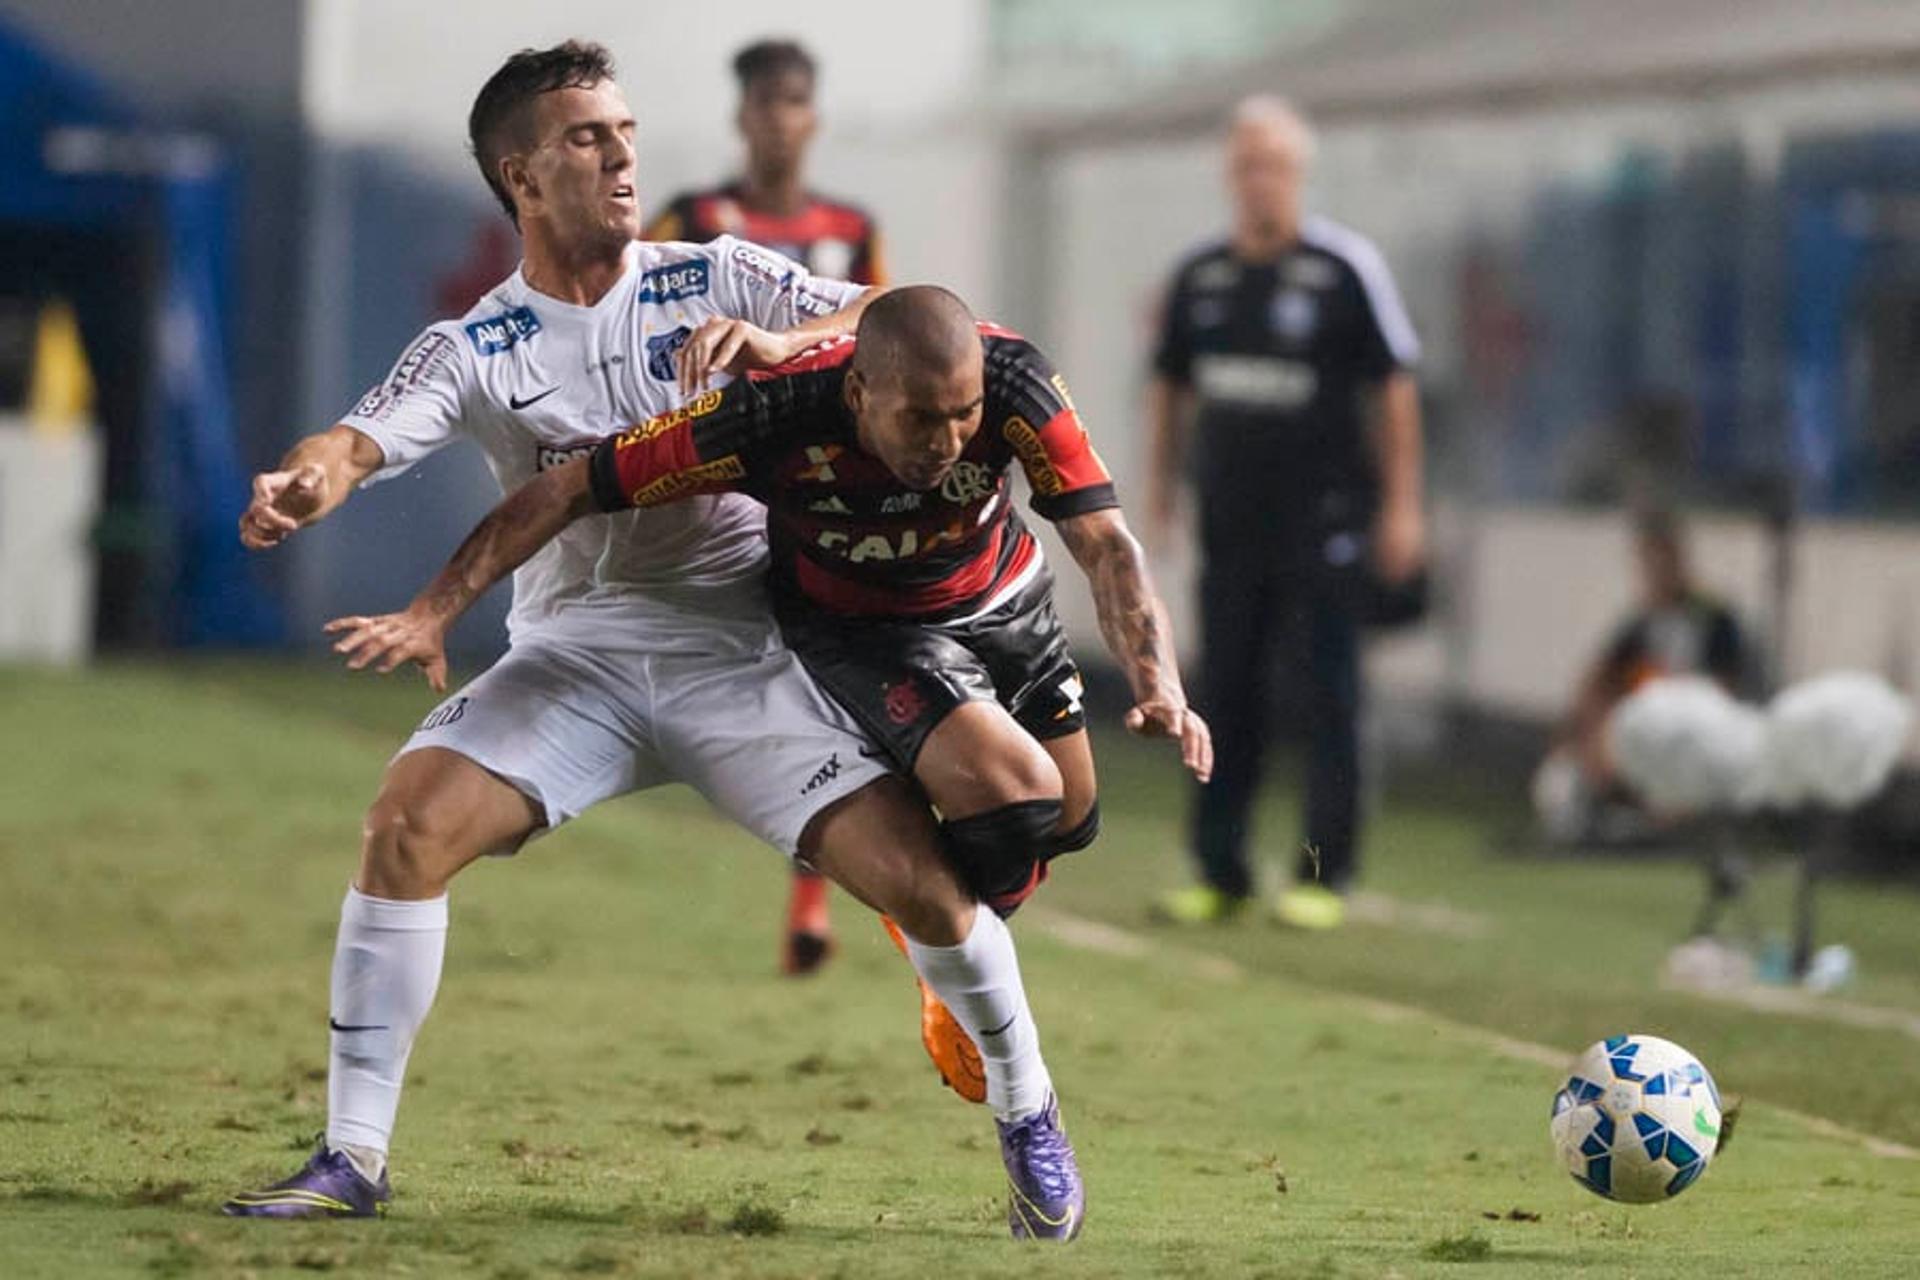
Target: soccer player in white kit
[[642, 646]]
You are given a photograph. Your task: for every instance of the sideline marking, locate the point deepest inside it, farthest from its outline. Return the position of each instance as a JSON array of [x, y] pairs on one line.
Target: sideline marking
[[1109, 939]]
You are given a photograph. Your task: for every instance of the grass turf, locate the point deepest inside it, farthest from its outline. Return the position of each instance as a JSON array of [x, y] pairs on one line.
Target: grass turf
[[615, 1082]]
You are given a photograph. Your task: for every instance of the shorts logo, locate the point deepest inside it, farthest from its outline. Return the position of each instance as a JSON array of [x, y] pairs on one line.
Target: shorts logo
[[444, 714], [1072, 689], [904, 702], [502, 332], [674, 281], [967, 482], [823, 775], [660, 349]]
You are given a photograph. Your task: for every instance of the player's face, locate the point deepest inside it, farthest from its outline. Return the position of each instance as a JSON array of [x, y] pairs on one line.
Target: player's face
[[918, 422], [1265, 171], [580, 174], [777, 118]]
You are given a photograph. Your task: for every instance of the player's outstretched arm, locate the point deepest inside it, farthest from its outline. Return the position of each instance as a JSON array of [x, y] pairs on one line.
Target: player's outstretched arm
[[1134, 625], [732, 345], [526, 520], [316, 476]]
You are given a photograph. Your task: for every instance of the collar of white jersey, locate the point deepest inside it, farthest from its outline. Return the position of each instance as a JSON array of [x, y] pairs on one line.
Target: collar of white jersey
[[629, 260]]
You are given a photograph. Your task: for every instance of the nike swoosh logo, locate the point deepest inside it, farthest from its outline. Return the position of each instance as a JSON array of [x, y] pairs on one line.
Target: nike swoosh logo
[[517, 403], [994, 1031], [338, 1027], [868, 753]]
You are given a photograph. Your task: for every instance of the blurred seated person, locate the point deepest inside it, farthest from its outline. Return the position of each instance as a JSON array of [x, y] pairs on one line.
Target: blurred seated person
[[1676, 629]]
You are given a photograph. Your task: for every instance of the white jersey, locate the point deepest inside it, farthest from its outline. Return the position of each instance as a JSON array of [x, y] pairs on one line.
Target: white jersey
[[535, 382]]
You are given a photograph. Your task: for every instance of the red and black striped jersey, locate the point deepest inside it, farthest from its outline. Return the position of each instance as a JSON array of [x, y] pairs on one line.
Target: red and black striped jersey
[[833, 239], [847, 535]]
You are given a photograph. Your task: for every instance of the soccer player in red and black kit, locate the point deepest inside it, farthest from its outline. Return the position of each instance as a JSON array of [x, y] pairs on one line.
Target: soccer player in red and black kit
[[770, 205], [905, 581]]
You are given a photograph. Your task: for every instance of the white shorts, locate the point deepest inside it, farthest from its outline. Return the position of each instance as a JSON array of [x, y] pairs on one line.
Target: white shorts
[[572, 725]]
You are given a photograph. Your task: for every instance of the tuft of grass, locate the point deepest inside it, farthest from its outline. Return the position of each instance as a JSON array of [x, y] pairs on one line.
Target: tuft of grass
[[751, 1218], [1469, 1247]]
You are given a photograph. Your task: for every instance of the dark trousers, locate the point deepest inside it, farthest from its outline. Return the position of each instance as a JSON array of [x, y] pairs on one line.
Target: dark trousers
[[1266, 609]]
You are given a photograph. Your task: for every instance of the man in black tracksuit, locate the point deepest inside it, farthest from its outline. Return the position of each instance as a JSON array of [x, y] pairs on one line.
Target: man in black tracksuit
[[1286, 357]]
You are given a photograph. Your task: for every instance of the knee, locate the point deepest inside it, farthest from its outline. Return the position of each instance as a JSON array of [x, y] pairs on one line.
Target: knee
[[1002, 854], [409, 847]]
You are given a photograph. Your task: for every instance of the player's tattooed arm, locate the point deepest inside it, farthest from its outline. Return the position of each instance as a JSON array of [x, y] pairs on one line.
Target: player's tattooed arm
[[1134, 624], [528, 518], [316, 476]]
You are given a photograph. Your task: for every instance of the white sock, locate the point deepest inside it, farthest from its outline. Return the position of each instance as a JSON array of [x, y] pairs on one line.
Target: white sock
[[386, 968], [979, 980]]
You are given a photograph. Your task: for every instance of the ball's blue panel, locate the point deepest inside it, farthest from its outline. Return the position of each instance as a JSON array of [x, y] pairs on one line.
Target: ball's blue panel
[[1686, 1177]]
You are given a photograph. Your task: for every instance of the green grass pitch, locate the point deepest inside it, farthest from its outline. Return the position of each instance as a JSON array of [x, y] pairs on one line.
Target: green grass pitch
[[615, 1082]]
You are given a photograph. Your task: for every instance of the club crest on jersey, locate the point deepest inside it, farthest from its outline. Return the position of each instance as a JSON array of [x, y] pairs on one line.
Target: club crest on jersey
[[502, 332], [1293, 314], [967, 482], [674, 281], [660, 349]]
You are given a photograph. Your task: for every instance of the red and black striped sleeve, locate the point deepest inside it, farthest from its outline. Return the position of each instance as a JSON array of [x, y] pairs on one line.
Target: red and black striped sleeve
[[701, 447], [1030, 408]]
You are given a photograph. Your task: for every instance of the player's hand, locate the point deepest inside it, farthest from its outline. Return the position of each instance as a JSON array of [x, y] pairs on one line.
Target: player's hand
[[725, 345], [1399, 543], [282, 502], [391, 639], [1164, 718]]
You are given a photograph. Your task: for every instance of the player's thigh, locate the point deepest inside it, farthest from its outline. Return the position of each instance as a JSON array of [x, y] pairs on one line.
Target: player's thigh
[[541, 735], [880, 844], [436, 812], [979, 758], [761, 740]]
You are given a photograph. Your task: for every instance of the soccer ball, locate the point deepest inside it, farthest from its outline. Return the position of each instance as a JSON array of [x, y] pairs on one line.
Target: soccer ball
[[1637, 1120]]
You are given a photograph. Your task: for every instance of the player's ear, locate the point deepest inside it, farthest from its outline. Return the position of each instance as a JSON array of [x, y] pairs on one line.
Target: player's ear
[[517, 178], [854, 391]]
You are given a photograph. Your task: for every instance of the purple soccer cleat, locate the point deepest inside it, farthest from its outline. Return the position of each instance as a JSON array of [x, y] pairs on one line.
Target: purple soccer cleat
[[328, 1187], [1045, 1200]]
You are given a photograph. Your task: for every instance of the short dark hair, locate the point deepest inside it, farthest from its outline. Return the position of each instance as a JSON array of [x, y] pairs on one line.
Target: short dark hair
[[914, 328], [765, 58], [499, 120]]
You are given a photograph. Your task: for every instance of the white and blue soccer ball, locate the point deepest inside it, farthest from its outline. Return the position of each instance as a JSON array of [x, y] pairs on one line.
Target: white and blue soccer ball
[[1638, 1119]]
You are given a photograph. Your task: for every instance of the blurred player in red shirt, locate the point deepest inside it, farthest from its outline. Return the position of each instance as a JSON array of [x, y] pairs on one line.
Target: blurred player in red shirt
[[771, 206]]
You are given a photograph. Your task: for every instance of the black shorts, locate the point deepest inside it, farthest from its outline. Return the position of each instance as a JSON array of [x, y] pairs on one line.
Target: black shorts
[[901, 678]]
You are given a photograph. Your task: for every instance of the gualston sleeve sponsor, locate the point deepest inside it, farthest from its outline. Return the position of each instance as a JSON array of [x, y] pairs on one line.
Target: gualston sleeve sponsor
[[418, 406], [772, 290], [700, 447], [1034, 414]]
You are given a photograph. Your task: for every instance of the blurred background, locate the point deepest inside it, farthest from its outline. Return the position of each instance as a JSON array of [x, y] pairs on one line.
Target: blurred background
[[1658, 252]]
